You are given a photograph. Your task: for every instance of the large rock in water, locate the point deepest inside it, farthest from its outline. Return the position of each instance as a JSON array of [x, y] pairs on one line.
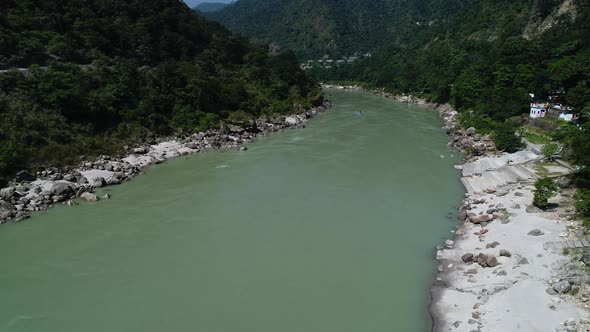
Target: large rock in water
[[89, 197], [7, 193], [291, 120], [6, 210], [62, 188]]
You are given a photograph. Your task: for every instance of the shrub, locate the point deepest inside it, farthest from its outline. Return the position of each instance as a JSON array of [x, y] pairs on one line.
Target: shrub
[[505, 139], [550, 150], [545, 189], [582, 198]]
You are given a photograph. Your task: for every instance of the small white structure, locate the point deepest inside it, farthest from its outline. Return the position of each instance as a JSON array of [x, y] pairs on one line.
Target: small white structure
[[538, 110]]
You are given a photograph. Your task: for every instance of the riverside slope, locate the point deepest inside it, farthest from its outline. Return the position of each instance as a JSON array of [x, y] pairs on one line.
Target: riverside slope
[[28, 193]]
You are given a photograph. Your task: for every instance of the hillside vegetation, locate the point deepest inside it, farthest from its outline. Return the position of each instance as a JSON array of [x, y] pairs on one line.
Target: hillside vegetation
[[102, 74], [314, 28]]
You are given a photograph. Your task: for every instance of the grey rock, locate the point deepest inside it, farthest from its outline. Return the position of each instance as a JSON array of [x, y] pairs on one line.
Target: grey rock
[[562, 287], [98, 182], [492, 245], [533, 209], [457, 324], [536, 232], [25, 176], [89, 197], [7, 193], [7, 210], [480, 219], [502, 273], [141, 150], [491, 261], [505, 253], [585, 259], [467, 258], [62, 188], [523, 261], [70, 178], [518, 194], [550, 291], [470, 131]]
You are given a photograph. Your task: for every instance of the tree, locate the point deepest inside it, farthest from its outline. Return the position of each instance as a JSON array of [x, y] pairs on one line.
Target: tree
[[505, 139], [550, 150], [545, 189]]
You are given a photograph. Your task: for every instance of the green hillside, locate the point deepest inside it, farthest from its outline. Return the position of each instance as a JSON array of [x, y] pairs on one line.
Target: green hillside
[[101, 74]]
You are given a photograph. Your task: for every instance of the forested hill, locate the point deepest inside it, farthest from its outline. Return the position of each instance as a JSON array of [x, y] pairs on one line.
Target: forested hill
[[313, 28], [101, 74]]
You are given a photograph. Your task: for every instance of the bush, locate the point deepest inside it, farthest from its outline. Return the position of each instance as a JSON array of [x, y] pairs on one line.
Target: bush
[[582, 198], [550, 150], [545, 189], [506, 140]]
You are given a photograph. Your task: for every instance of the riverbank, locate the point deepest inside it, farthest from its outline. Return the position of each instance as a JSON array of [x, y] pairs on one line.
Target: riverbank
[[505, 269], [28, 193]]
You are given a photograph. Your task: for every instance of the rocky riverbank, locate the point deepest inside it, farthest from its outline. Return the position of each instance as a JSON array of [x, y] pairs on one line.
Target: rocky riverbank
[[28, 193], [471, 145], [501, 271]]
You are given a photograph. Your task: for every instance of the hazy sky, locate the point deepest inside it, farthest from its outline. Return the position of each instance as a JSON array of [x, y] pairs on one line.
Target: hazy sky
[[192, 3]]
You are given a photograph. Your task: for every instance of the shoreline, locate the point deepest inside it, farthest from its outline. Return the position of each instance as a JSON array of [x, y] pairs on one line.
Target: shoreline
[[29, 193], [501, 271]]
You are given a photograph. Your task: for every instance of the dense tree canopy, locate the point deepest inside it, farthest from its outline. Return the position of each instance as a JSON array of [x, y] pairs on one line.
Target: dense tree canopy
[[104, 73]]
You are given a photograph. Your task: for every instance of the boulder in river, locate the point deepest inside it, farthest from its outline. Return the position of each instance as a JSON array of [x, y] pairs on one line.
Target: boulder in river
[[89, 197], [62, 188], [6, 210], [98, 182]]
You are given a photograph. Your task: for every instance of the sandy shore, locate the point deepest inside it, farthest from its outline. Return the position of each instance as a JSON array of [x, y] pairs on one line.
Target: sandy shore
[[516, 294]]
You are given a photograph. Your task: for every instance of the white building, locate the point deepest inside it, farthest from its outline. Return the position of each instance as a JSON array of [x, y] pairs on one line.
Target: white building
[[538, 110]]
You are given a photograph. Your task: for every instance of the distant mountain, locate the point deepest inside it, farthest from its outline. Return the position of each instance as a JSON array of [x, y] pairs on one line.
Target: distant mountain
[[313, 28], [208, 7]]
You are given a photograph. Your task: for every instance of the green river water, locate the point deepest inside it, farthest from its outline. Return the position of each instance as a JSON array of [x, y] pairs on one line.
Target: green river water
[[331, 228]]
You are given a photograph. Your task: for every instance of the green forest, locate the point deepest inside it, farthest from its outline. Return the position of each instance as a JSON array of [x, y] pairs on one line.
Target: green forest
[[102, 74], [314, 28]]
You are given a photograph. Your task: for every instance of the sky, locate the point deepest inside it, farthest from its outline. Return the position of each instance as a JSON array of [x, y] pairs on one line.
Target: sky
[[193, 3]]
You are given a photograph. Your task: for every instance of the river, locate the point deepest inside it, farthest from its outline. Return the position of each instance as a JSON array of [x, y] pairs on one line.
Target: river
[[331, 228]]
